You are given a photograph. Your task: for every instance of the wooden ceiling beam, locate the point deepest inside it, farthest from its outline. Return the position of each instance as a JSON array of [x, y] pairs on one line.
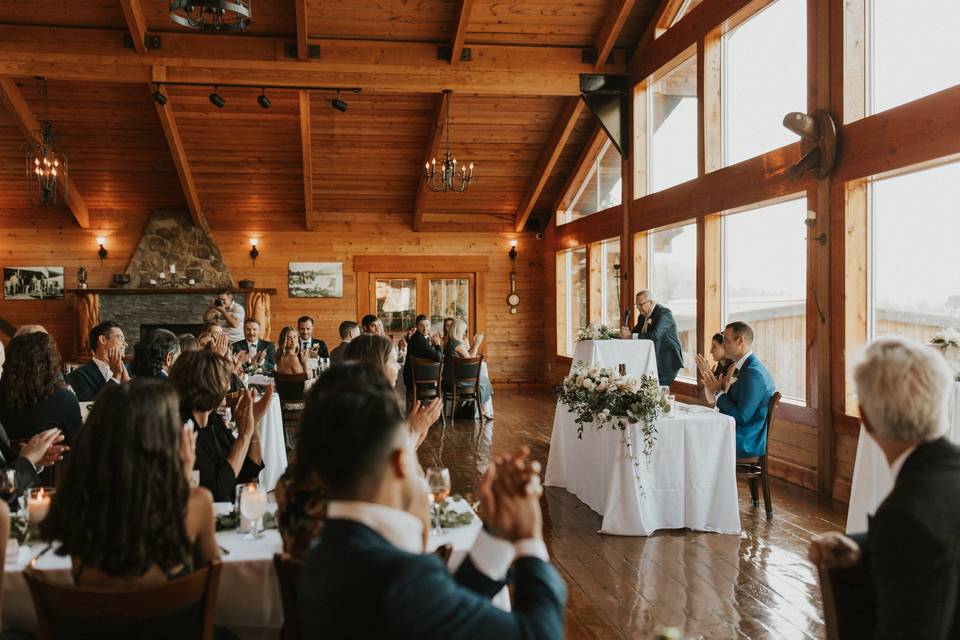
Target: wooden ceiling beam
[[554, 147], [306, 152], [464, 7], [435, 133], [30, 128], [172, 134], [133, 14], [377, 66], [302, 32], [607, 37]]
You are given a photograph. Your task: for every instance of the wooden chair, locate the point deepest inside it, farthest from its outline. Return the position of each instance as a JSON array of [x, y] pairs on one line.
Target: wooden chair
[[182, 608], [849, 603], [427, 379], [290, 388], [464, 383], [755, 469], [288, 574]]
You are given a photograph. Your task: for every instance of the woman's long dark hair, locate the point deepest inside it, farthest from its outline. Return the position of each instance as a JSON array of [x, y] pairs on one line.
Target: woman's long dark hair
[[32, 372], [121, 507], [149, 354], [370, 349]]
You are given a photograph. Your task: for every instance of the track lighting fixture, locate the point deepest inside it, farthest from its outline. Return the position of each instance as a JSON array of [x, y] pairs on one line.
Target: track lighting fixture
[[338, 103], [216, 99], [263, 100], [159, 97]]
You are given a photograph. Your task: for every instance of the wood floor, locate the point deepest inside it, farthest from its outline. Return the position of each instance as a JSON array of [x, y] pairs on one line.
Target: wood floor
[[757, 585]]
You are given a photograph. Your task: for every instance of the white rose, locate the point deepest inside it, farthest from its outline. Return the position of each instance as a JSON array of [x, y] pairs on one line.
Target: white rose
[[602, 386], [588, 385]]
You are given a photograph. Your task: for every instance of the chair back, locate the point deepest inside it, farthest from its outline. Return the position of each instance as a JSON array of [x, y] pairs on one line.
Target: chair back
[[290, 386], [829, 605], [771, 413], [465, 374], [183, 608], [288, 574], [427, 375]]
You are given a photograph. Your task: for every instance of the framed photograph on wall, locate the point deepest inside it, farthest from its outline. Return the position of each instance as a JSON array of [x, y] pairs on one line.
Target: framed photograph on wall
[[32, 283], [315, 279]]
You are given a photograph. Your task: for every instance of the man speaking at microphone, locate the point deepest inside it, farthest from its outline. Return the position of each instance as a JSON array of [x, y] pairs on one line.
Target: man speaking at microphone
[[656, 323]]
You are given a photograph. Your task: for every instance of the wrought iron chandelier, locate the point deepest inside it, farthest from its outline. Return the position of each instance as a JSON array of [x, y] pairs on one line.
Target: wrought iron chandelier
[[45, 162], [216, 15], [449, 177]]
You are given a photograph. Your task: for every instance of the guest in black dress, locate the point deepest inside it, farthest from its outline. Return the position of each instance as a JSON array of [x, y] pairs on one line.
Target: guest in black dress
[[202, 379], [719, 370], [457, 348], [33, 395]]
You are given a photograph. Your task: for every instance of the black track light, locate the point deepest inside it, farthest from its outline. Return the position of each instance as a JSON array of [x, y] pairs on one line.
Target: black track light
[[263, 100], [216, 99], [338, 104], [159, 97]]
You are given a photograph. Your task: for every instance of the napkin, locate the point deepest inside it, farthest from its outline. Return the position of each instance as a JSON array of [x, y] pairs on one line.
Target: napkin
[[13, 551]]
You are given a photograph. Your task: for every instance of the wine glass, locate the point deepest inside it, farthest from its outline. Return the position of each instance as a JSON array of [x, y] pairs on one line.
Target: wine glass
[[439, 481], [8, 484], [253, 504]]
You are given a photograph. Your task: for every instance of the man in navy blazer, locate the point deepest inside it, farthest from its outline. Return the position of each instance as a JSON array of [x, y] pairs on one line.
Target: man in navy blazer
[[254, 345], [656, 323], [747, 397], [366, 576], [108, 345]]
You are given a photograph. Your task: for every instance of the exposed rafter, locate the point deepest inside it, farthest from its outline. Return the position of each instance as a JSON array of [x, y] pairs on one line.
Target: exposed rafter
[[616, 17], [133, 14], [464, 7], [551, 153], [30, 127], [172, 133], [302, 32], [435, 134], [306, 150]]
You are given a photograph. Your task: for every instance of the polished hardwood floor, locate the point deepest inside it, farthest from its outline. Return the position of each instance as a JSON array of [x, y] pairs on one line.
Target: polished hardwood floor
[[755, 585]]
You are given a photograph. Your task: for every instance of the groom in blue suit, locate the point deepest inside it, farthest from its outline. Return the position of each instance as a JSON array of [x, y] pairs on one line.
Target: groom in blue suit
[[747, 398]]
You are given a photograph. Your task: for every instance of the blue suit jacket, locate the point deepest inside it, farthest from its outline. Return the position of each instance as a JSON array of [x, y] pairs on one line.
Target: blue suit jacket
[[747, 403], [357, 585]]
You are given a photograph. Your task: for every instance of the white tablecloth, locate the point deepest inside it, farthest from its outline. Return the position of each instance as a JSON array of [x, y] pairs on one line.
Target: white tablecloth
[[689, 481], [872, 480], [638, 355], [273, 445]]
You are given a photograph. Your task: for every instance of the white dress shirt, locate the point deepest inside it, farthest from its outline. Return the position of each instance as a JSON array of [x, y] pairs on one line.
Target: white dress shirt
[[490, 555], [736, 367], [105, 370]]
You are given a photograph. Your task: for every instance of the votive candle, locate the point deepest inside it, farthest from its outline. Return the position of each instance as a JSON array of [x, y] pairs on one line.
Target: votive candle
[[38, 504]]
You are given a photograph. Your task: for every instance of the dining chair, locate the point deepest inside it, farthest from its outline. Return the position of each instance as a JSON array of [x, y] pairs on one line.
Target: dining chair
[[849, 603], [755, 469], [288, 574], [464, 383], [427, 379], [290, 387], [182, 607]]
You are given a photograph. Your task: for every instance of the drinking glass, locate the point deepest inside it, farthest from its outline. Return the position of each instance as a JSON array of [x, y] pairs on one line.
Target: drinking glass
[[253, 504], [8, 484], [672, 401], [439, 481]]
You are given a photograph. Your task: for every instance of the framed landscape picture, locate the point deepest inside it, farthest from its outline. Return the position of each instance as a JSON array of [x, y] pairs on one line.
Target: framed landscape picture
[[315, 279], [32, 283]]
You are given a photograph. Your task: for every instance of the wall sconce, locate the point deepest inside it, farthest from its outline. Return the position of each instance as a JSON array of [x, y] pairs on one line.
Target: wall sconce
[[513, 299], [513, 251], [253, 250], [103, 250]]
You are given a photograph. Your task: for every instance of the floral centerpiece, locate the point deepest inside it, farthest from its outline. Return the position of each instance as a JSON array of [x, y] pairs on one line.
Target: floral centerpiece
[[948, 342], [597, 331], [601, 396]]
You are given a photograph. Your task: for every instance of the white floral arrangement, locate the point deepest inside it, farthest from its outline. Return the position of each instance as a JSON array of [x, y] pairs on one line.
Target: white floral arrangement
[[601, 396], [596, 331], [947, 340]]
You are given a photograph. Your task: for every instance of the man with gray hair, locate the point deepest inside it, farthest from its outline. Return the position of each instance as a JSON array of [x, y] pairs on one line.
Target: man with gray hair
[[656, 323], [910, 554]]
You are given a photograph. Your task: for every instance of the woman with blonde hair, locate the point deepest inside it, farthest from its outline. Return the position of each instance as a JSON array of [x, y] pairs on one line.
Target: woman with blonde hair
[[292, 360], [457, 347]]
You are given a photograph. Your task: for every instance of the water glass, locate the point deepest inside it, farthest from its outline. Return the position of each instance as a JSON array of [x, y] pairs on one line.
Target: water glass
[[672, 401], [439, 481]]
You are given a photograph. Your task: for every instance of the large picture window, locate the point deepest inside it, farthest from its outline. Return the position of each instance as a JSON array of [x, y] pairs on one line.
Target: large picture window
[[672, 273], [600, 189], [571, 297], [764, 65], [915, 267], [764, 285], [672, 120]]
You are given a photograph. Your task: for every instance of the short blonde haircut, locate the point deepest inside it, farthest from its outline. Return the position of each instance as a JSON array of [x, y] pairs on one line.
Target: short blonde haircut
[[458, 329], [903, 389]]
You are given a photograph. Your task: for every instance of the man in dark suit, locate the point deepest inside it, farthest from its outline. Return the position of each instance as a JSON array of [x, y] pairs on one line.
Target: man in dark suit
[[261, 351], [746, 397], [106, 367], [307, 341], [909, 559], [348, 331], [656, 323], [367, 576], [422, 344]]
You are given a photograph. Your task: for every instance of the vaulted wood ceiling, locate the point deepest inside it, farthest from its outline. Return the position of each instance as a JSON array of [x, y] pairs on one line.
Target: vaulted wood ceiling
[[246, 165]]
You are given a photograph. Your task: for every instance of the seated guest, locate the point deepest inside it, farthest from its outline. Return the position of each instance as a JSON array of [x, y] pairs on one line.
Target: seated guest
[[188, 342], [380, 353], [154, 355], [202, 378], [260, 351], [367, 575], [447, 326], [42, 450], [132, 519], [748, 392], [348, 331], [422, 344], [308, 344], [456, 347], [720, 370], [30, 328], [291, 361], [33, 397], [656, 323], [226, 313], [372, 324], [108, 345], [910, 554]]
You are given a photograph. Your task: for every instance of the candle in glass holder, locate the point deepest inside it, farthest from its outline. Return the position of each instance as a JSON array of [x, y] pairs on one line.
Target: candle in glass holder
[[192, 282], [38, 503], [162, 275], [173, 269], [152, 281]]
